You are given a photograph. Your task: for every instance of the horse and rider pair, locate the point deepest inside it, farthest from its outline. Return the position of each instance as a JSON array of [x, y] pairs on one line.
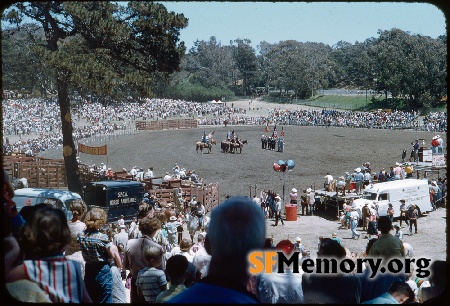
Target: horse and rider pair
[[206, 138]]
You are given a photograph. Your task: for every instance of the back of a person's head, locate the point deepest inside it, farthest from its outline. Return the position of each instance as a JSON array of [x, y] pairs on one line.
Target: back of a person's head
[[78, 207], [402, 288], [95, 218], [46, 233], [176, 268], [27, 211], [438, 271], [370, 244], [331, 248], [152, 252], [144, 208], [148, 225], [384, 224], [236, 228]]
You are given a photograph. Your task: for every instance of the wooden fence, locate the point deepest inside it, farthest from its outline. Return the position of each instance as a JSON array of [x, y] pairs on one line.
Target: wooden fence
[[39, 172], [166, 124], [207, 194], [51, 173]]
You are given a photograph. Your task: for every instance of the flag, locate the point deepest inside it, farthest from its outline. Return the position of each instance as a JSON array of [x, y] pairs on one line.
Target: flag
[[282, 132], [267, 128]]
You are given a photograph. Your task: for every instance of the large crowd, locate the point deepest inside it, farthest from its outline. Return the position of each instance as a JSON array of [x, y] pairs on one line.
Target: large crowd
[[51, 259], [37, 122]]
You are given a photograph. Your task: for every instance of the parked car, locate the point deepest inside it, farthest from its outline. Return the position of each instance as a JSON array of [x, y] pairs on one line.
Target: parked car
[[58, 198]]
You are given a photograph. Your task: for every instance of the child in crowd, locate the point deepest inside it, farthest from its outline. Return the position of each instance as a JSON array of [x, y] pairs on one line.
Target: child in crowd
[[43, 240], [150, 280], [177, 272], [342, 219]]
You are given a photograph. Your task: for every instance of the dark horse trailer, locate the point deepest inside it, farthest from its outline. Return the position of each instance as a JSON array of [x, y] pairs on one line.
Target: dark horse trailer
[[116, 197]]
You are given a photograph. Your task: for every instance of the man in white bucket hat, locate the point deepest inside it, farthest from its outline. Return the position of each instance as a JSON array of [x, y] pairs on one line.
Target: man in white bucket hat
[[310, 200], [293, 195], [278, 210]]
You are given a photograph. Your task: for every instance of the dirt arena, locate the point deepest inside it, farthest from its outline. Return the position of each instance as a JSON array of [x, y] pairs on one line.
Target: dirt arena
[[315, 151]]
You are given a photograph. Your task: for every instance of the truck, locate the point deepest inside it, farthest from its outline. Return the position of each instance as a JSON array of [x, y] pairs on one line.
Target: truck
[[413, 191], [121, 197]]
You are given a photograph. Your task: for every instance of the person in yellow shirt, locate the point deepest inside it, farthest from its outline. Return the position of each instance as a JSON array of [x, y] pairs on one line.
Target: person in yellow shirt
[[409, 170]]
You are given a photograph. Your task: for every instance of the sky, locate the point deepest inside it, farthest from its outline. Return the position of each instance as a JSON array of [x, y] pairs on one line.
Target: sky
[[326, 22]]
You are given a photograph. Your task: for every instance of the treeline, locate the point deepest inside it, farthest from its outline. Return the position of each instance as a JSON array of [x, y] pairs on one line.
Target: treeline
[[411, 68]]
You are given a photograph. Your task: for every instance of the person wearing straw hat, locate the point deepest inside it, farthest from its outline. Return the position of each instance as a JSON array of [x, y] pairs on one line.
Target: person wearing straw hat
[[358, 178], [293, 195], [171, 228], [278, 208], [413, 215], [122, 236], [298, 246]]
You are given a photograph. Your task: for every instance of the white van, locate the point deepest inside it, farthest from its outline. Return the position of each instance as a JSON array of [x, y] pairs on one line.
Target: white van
[[413, 191]]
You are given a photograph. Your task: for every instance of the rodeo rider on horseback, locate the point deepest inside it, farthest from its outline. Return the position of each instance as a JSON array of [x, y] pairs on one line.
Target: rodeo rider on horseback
[[205, 138]]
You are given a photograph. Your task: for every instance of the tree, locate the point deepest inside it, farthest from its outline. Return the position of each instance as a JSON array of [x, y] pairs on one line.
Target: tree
[[106, 48], [297, 66], [22, 68], [211, 63], [245, 59], [409, 66]]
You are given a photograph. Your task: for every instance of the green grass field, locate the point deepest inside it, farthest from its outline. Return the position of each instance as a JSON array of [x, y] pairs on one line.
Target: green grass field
[[340, 102]]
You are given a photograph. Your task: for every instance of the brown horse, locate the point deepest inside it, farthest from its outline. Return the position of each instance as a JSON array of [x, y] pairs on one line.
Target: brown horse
[[225, 146], [202, 145], [234, 146]]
